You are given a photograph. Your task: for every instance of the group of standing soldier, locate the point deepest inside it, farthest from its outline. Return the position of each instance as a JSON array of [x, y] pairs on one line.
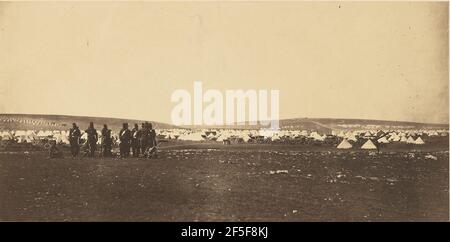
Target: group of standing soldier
[[141, 142]]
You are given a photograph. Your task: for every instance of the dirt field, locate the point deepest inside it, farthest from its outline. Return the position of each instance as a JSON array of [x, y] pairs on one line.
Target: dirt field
[[207, 182]]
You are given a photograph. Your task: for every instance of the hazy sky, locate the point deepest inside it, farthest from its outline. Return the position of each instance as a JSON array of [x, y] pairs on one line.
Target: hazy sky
[[344, 60]]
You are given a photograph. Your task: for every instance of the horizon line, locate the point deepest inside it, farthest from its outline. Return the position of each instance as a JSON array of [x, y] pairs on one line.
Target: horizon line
[[365, 119]]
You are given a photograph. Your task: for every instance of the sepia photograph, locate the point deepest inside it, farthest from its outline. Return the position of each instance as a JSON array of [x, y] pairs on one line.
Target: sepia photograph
[[224, 111]]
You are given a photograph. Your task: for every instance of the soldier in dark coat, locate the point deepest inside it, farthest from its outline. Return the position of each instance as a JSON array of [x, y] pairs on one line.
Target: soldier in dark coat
[[143, 136], [152, 136], [125, 139], [151, 141], [92, 138], [135, 133], [106, 141], [74, 139]]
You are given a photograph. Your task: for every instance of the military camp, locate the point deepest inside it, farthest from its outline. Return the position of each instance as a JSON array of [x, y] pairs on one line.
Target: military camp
[[212, 170]]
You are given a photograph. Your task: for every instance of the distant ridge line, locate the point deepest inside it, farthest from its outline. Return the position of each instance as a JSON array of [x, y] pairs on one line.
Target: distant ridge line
[[63, 122], [319, 124]]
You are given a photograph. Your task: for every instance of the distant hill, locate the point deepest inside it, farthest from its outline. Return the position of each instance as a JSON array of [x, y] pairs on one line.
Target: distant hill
[[322, 125], [64, 122], [352, 124], [326, 125]]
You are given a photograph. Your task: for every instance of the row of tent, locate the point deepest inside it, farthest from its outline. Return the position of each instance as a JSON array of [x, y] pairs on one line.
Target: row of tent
[[245, 135], [180, 134], [369, 145], [31, 136]]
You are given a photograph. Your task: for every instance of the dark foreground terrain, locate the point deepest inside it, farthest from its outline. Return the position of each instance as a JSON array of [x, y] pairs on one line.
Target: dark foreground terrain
[[264, 183]]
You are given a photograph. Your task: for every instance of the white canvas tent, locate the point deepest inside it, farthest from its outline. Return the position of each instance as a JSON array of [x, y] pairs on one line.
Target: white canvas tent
[[275, 137], [191, 137], [6, 135], [41, 134], [25, 139], [20, 133], [317, 136], [410, 140], [352, 137], [344, 145], [222, 137], [383, 140], [84, 136], [394, 137], [246, 138], [171, 136], [65, 139], [211, 136], [99, 135], [48, 133], [61, 138], [433, 133], [368, 145], [419, 141]]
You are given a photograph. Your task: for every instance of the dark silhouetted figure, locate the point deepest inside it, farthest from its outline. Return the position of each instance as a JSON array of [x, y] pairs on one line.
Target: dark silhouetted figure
[[143, 134], [53, 151], [106, 141], [125, 139], [151, 141], [135, 133], [152, 136], [378, 145], [92, 138], [74, 139]]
